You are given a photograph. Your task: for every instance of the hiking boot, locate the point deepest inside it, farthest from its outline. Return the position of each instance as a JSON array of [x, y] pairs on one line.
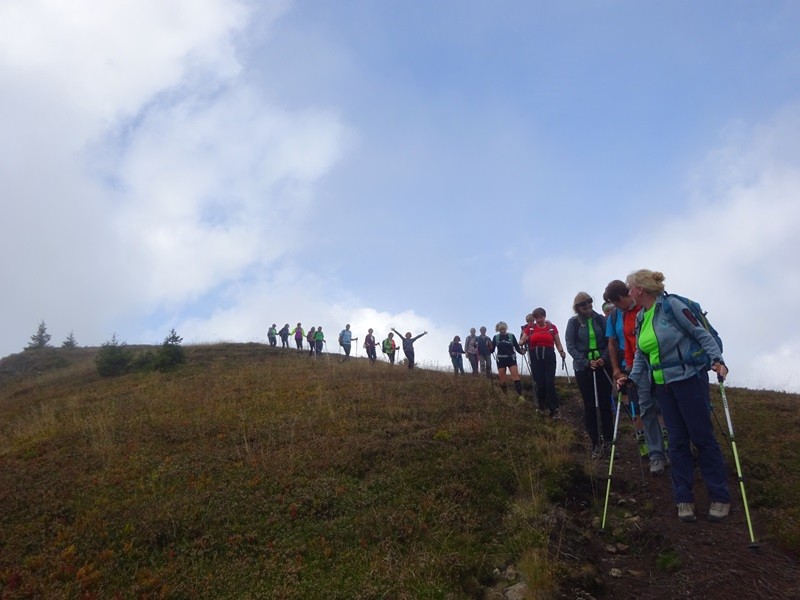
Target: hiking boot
[[556, 414], [643, 450], [599, 451], [657, 466], [686, 512], [718, 511]]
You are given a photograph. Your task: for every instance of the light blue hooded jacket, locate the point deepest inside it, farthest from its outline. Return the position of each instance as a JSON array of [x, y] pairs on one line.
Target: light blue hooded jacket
[[685, 347]]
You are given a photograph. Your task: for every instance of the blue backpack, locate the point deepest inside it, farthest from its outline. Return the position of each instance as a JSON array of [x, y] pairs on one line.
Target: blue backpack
[[699, 315]]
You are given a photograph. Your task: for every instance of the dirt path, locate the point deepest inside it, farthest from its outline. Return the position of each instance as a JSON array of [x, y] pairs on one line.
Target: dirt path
[[646, 552]]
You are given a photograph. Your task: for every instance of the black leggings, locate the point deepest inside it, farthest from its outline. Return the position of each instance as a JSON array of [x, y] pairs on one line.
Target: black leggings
[[586, 379], [543, 369]]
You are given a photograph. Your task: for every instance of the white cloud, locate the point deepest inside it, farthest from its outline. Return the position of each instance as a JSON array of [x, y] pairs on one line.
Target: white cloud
[[213, 188], [71, 74], [109, 57]]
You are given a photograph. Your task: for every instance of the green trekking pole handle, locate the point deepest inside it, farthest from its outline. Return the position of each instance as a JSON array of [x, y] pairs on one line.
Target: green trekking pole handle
[[736, 460]]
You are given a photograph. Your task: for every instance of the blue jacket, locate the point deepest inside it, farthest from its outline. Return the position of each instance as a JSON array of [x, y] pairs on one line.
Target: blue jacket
[[484, 343], [684, 345]]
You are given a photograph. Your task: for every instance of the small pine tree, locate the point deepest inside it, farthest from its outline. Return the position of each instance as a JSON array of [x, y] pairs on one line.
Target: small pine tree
[[113, 358], [70, 342], [41, 339], [171, 354]]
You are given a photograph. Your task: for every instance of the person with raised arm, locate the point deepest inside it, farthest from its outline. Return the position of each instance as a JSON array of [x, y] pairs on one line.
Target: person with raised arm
[[408, 346]]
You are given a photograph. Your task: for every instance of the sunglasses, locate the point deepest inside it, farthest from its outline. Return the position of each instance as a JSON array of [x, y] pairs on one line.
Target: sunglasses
[[584, 304]]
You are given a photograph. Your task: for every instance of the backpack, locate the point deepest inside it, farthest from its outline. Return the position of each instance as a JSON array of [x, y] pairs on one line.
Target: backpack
[[697, 311], [387, 346], [511, 341]]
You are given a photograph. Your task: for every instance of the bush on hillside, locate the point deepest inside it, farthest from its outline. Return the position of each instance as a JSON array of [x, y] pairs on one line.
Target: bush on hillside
[[113, 358], [171, 354]]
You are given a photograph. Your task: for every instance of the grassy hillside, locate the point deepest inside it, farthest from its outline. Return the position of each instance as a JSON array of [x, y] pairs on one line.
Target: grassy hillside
[[260, 473], [256, 473]]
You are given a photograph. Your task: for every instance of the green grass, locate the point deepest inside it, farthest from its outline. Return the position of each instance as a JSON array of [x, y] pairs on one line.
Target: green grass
[[252, 473]]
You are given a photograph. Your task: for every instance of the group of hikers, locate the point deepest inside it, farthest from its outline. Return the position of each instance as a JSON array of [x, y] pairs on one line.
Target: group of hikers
[[315, 339], [651, 352], [648, 353]]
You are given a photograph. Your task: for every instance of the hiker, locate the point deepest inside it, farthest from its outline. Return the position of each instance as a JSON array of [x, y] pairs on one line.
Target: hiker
[[298, 334], [284, 333], [408, 346], [506, 344], [369, 346], [310, 340], [621, 332], [319, 339], [485, 350], [542, 339], [676, 350], [456, 351], [345, 340], [471, 347], [586, 343], [388, 347], [272, 335]]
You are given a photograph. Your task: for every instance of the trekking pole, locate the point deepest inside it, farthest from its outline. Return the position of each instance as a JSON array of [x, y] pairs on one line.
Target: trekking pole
[[632, 411], [632, 415], [566, 370], [753, 544], [611, 461], [597, 408], [533, 383]]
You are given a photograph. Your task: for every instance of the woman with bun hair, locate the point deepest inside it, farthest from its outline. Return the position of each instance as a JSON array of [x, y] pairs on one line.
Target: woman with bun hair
[[586, 344], [676, 350]]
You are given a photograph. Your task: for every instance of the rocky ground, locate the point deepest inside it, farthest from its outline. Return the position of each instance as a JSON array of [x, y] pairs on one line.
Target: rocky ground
[[646, 552]]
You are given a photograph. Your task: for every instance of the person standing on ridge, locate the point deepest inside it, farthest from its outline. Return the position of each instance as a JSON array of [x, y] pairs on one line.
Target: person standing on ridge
[[389, 347], [272, 335], [298, 334], [506, 344], [485, 349], [319, 339], [369, 346], [676, 350], [284, 333], [310, 340], [456, 355], [345, 341], [471, 348], [543, 340], [586, 343], [408, 346]]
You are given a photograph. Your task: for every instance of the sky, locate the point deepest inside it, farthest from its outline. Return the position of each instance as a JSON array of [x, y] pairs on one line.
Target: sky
[[216, 166]]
